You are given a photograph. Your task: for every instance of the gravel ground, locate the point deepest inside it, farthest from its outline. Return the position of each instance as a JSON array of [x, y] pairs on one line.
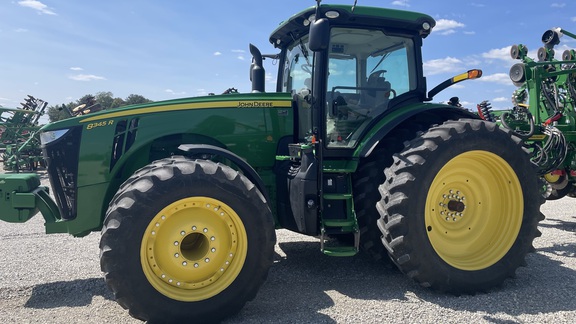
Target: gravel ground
[[56, 279]]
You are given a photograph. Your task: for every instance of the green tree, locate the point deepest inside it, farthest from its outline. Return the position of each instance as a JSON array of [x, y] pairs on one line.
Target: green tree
[[118, 102], [104, 98], [135, 99], [59, 112]]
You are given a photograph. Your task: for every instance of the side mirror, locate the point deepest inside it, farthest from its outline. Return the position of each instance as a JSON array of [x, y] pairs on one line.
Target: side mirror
[[319, 35]]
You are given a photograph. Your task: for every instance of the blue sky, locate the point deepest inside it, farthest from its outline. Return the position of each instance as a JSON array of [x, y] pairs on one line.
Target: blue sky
[[60, 50]]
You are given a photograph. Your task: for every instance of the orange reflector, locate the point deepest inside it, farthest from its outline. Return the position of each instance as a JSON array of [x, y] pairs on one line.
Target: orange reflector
[[474, 74]]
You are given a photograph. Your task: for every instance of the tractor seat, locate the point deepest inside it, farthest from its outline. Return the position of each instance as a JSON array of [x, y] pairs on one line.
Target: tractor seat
[[375, 98]]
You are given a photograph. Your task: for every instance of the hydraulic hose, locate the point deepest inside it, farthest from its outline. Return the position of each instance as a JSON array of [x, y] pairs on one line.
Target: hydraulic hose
[[522, 135]]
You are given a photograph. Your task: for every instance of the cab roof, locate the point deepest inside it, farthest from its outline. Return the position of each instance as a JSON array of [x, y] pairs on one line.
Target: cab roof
[[298, 24]]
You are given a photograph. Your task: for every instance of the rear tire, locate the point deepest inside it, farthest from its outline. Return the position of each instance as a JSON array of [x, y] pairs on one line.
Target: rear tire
[[186, 241], [365, 186], [370, 175], [460, 207]]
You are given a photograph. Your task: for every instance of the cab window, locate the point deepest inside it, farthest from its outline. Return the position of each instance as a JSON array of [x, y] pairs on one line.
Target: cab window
[[297, 80], [366, 70]]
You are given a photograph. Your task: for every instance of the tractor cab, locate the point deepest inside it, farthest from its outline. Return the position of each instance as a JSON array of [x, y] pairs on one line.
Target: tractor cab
[[346, 68], [360, 64]]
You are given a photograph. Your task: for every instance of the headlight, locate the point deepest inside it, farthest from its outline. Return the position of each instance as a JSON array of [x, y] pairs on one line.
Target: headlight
[[50, 136]]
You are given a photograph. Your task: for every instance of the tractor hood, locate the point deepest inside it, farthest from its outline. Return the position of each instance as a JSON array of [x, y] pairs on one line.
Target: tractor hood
[[240, 101]]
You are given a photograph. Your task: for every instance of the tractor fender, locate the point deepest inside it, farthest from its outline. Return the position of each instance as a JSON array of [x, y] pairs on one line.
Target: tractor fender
[[246, 168], [385, 125]]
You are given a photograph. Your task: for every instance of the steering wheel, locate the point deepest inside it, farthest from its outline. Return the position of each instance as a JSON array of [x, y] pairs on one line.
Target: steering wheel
[[307, 68], [377, 74]]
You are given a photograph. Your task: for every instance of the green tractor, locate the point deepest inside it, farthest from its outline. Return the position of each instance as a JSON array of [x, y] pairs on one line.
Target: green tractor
[[544, 113], [188, 193]]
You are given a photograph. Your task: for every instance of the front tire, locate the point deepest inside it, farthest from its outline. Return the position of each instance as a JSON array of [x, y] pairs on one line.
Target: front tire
[[460, 207], [188, 241]]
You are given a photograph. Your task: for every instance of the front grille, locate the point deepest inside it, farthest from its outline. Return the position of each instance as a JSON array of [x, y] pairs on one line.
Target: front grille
[[62, 159]]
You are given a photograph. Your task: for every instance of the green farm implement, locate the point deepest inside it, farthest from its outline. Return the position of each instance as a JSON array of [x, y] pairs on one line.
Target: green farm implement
[[19, 142], [544, 112]]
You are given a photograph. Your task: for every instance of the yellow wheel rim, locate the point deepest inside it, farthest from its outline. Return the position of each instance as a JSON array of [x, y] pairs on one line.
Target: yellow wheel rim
[[474, 210], [193, 249]]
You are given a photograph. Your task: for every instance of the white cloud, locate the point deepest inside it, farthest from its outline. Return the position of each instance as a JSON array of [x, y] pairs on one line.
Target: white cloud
[[445, 65], [38, 6], [573, 18], [443, 24], [172, 92], [498, 54], [401, 3], [478, 5], [447, 26], [557, 5], [472, 61], [240, 54], [86, 77], [499, 78], [201, 92], [217, 53], [75, 68], [20, 30], [501, 99], [270, 78], [469, 33]]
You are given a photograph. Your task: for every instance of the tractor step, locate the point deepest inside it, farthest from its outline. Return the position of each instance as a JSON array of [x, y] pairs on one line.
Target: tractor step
[[339, 218], [339, 222], [337, 196], [340, 250]]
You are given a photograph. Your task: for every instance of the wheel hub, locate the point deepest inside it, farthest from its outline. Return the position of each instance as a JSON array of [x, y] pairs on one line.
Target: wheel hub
[[469, 219], [452, 206], [457, 206], [192, 248], [195, 256]]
